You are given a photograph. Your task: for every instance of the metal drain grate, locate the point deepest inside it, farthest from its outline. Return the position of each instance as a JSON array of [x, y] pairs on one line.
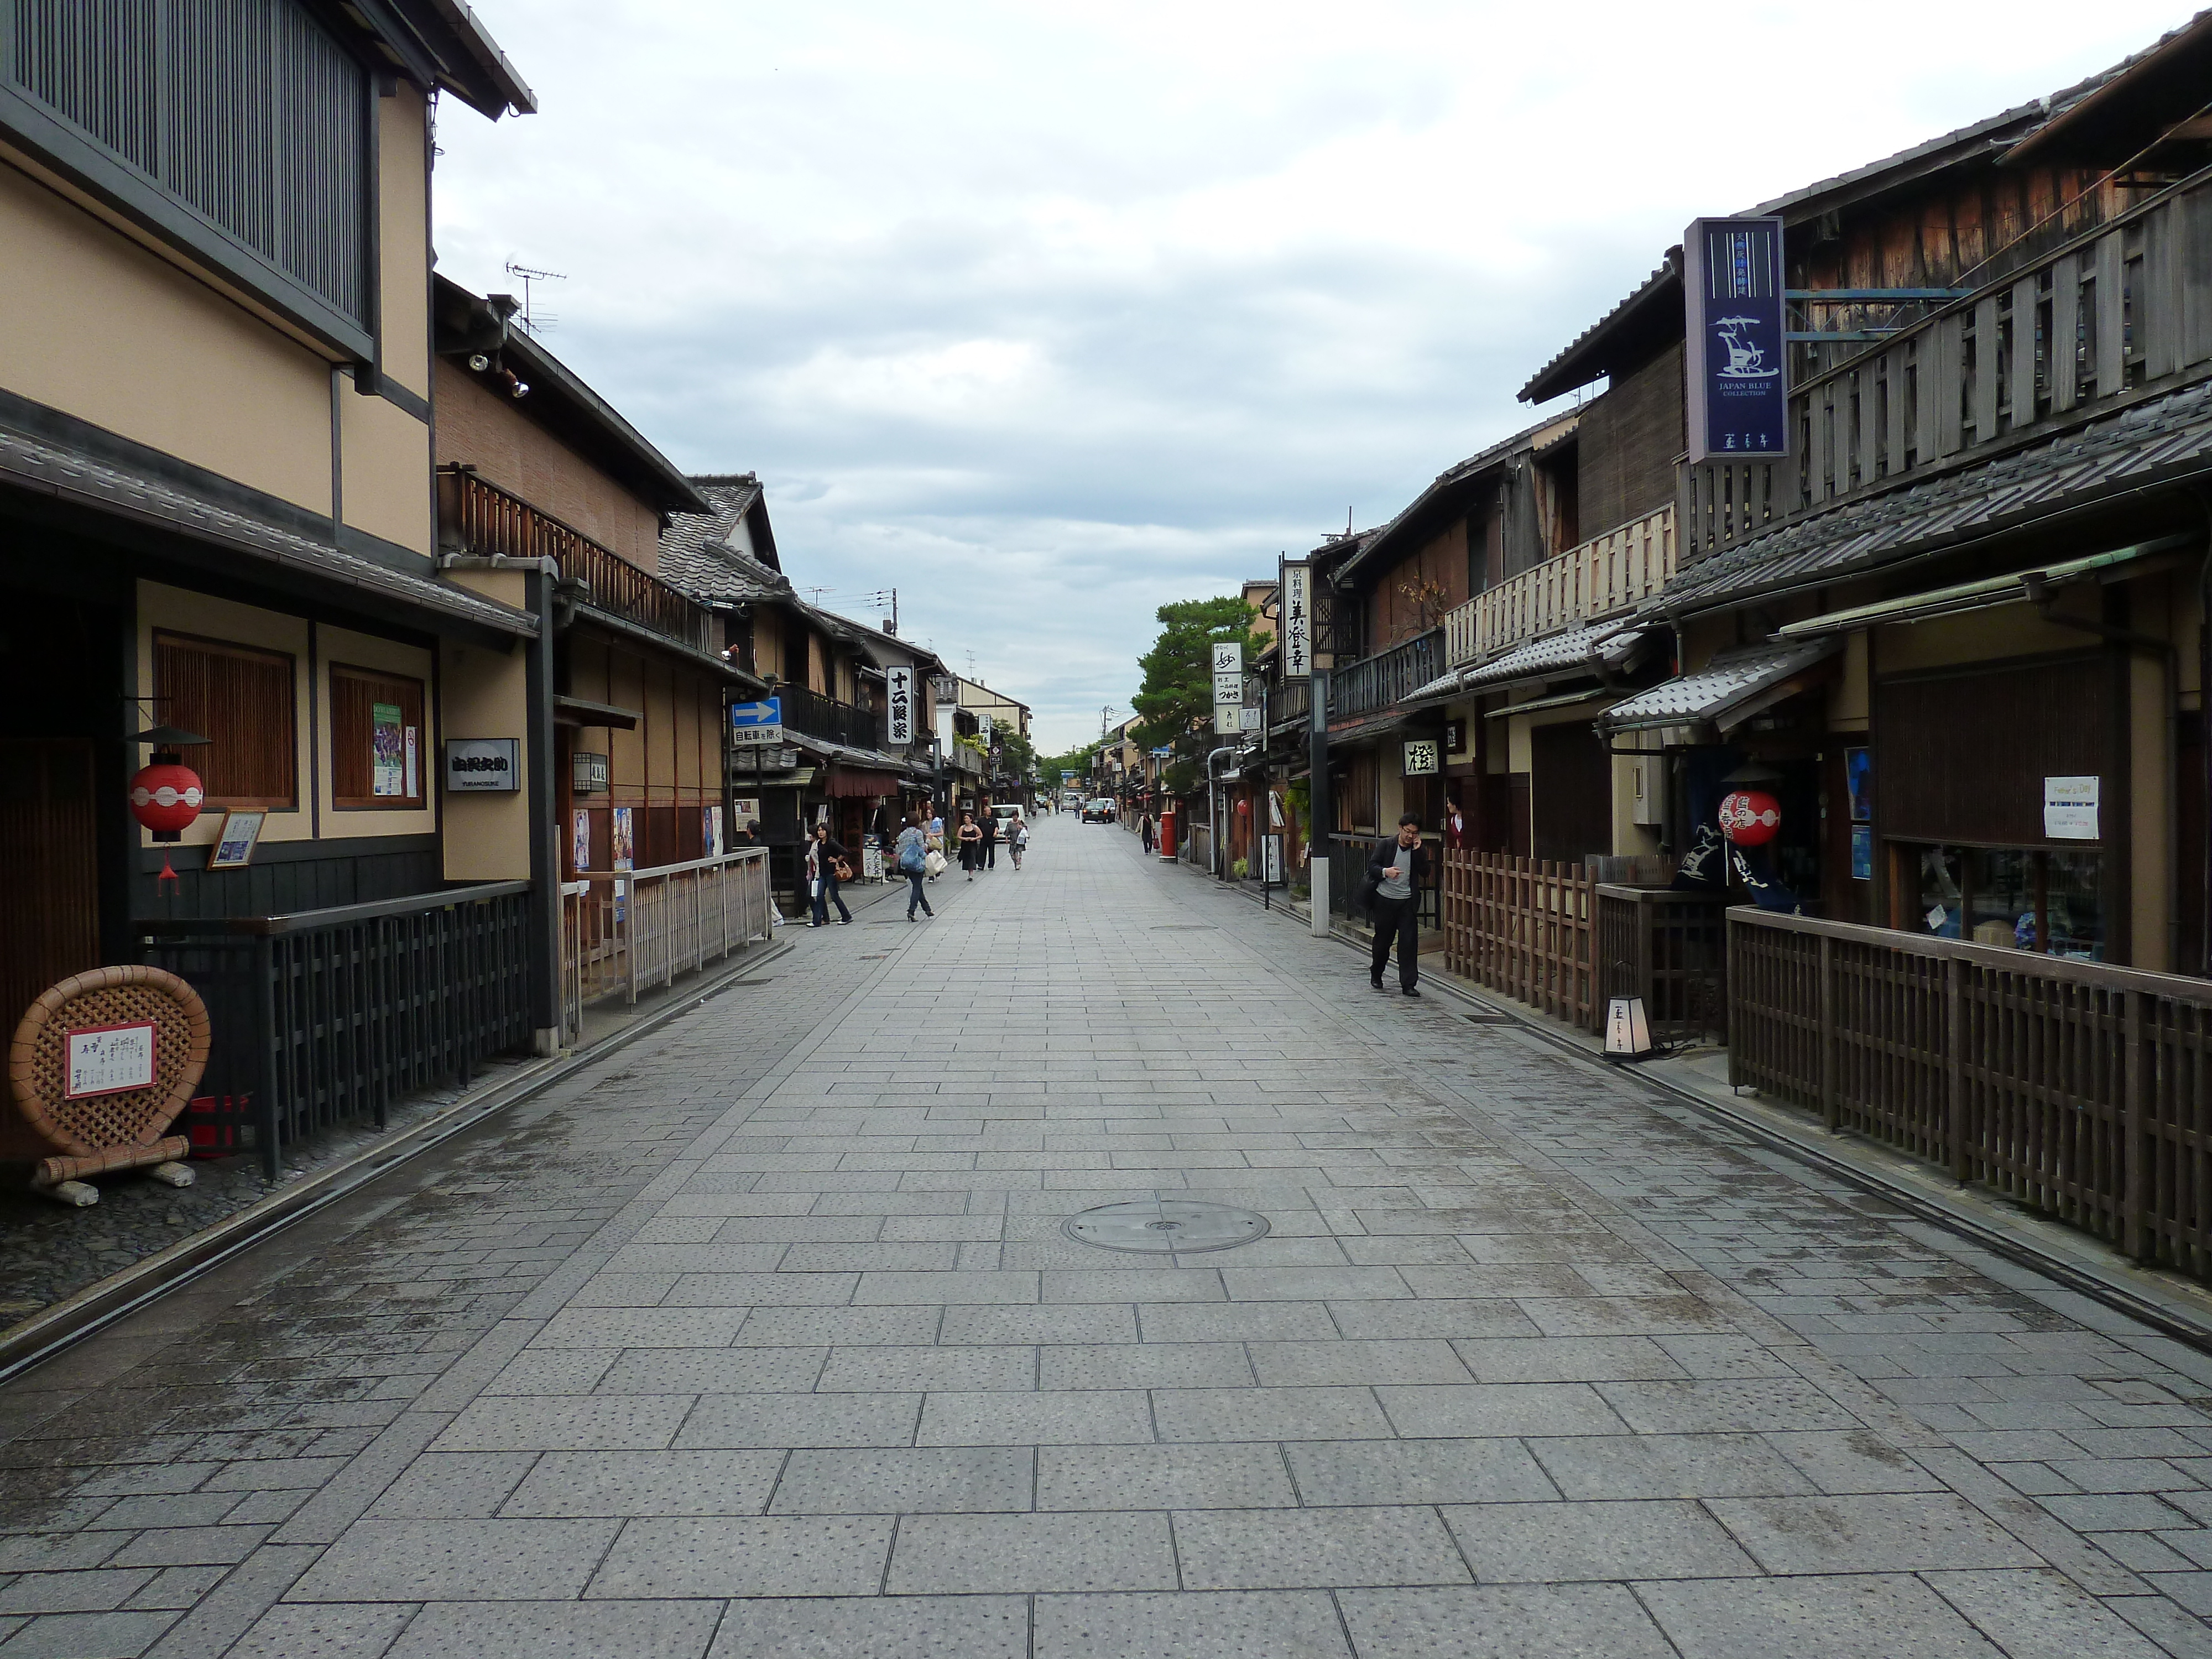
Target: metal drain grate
[[1491, 1019], [1163, 1226]]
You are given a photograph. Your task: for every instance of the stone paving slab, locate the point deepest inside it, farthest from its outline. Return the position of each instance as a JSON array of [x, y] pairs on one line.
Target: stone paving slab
[[762, 1337]]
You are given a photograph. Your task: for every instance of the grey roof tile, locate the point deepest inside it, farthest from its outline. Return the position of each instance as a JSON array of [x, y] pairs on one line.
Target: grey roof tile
[[2166, 435]]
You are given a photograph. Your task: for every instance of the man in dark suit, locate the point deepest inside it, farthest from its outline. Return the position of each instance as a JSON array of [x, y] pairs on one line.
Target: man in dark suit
[[1396, 872]]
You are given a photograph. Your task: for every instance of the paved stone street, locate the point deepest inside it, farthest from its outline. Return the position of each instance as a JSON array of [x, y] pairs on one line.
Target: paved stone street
[[762, 1339]]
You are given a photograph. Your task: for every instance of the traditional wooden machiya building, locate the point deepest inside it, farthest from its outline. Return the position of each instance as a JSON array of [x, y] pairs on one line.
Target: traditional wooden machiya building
[[216, 511]]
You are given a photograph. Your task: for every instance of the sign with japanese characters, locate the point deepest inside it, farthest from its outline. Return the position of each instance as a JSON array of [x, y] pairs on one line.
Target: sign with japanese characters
[[1421, 758], [899, 682], [2069, 808], [1294, 619], [106, 1060], [756, 722], [483, 764], [1228, 686], [1736, 369]]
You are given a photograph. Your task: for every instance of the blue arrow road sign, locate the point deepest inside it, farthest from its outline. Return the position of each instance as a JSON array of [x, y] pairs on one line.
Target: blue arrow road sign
[[756, 722]]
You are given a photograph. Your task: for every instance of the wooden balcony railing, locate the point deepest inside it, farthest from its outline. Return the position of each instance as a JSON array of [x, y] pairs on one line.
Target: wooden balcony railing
[[2078, 1090], [488, 521], [1604, 576], [2106, 314], [818, 716], [1388, 677]]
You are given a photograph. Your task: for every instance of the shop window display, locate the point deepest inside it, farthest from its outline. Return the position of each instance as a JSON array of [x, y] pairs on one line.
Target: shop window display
[[2025, 898]]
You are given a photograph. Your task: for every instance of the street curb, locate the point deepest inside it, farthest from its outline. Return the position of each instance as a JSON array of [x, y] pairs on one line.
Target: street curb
[[83, 1313], [2169, 1313]]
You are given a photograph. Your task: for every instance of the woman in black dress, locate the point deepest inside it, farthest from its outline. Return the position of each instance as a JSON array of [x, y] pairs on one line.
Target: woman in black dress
[[971, 844]]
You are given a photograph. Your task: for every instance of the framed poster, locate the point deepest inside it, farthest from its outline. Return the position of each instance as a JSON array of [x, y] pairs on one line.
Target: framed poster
[[233, 846], [1858, 778], [744, 810], [387, 750], [107, 1059], [710, 830], [1863, 852]]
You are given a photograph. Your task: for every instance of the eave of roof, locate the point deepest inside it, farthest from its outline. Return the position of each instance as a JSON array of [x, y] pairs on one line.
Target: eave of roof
[[467, 62], [2126, 109], [1609, 340], [561, 401], [1444, 488]]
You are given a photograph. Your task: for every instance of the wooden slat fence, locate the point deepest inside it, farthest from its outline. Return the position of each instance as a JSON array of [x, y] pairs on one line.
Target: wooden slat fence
[[2072, 1088], [1524, 928]]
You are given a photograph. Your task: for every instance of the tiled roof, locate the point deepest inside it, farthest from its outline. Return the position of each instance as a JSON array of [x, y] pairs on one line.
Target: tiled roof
[[1578, 648], [1721, 686], [2155, 442], [696, 554], [31, 464]]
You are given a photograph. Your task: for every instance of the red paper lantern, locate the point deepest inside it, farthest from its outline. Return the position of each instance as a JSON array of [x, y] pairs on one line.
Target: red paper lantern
[[1750, 818], [166, 798]]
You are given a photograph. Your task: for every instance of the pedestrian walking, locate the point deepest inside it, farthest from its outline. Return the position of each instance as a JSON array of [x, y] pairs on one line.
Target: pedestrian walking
[[971, 844], [826, 865], [935, 837], [912, 857], [1396, 874], [1145, 830], [990, 839], [1017, 839]]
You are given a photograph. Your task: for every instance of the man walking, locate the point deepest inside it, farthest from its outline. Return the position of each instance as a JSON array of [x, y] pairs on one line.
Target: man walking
[[1396, 872]]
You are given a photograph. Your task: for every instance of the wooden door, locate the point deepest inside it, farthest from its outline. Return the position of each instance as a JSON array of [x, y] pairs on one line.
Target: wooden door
[[50, 903]]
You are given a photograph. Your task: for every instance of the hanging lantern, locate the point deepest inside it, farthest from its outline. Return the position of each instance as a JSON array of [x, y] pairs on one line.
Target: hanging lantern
[[166, 795], [1750, 818]]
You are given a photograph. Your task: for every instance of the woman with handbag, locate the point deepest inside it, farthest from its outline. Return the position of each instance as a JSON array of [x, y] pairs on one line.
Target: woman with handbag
[[826, 865], [913, 855]]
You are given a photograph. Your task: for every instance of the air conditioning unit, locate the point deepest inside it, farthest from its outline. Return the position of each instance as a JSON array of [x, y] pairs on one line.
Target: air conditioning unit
[[1648, 779]]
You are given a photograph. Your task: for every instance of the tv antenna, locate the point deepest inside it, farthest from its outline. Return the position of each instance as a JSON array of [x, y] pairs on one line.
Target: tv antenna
[[528, 274]]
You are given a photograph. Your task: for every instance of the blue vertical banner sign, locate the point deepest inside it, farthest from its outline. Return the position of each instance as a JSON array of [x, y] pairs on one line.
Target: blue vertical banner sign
[[1737, 371]]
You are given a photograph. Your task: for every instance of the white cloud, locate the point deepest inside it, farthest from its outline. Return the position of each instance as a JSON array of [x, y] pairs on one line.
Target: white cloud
[[1050, 314]]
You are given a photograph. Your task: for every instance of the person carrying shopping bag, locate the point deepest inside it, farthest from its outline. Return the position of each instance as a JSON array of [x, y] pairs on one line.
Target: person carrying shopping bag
[[912, 855], [826, 865], [1017, 839]]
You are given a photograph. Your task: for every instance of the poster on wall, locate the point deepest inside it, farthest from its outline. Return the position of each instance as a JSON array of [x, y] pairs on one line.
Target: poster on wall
[[711, 831], [234, 843], [1858, 778], [387, 750], [744, 810], [580, 840], [624, 845], [1863, 852], [2069, 808], [411, 792]]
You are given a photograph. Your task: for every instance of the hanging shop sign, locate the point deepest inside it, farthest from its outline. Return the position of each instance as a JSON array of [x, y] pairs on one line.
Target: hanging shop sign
[[483, 765], [1737, 363], [756, 722], [1294, 619], [1421, 758], [1228, 687], [1750, 818], [590, 772], [899, 684]]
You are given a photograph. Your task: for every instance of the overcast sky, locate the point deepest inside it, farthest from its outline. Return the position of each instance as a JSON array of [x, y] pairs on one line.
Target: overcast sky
[[1049, 314]]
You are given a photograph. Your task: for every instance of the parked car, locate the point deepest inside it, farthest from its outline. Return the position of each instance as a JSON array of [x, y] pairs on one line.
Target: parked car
[[1100, 810]]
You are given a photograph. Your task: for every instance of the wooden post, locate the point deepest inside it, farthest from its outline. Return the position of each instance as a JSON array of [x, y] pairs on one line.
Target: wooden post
[[1830, 1112], [1954, 1071], [2136, 1077]]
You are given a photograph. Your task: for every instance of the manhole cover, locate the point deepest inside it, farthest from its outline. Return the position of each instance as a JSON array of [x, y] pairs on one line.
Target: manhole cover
[[1159, 1227]]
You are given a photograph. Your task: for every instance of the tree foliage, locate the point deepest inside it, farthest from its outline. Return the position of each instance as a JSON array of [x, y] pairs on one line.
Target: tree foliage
[[1077, 761], [1177, 699]]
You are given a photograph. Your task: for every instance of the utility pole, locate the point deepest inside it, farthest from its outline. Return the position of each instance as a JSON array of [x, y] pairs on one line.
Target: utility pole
[[1320, 808]]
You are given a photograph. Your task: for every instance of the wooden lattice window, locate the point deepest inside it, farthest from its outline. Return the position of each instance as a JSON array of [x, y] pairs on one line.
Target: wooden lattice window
[[242, 701], [379, 751]]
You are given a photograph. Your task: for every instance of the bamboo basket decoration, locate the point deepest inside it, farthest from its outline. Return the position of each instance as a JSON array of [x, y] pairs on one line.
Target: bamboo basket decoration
[[98, 1134]]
